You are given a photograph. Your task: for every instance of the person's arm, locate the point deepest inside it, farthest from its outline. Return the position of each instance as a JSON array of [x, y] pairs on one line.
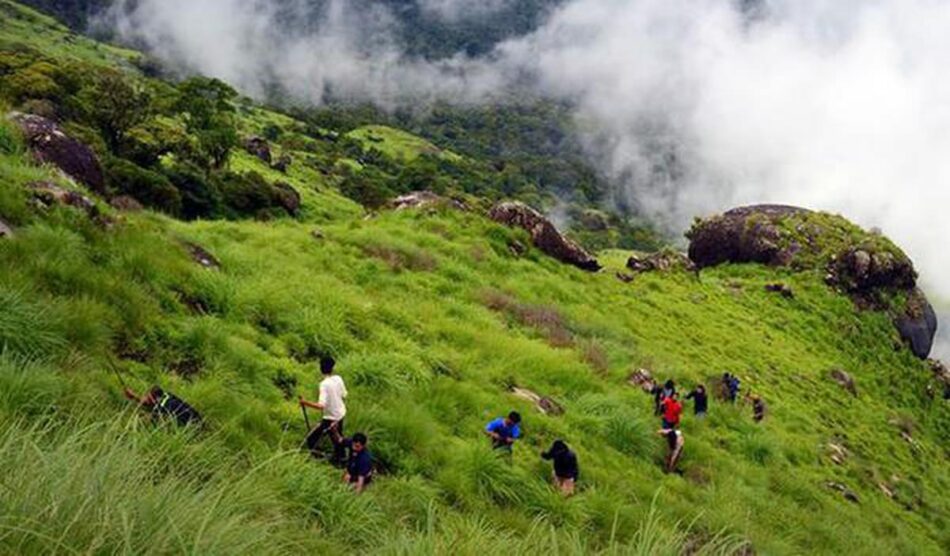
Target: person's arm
[[358, 485], [131, 395], [490, 430], [515, 434], [691, 395], [346, 477], [313, 405]]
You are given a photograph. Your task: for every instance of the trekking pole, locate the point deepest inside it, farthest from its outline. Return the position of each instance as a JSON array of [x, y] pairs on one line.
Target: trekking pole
[[306, 418], [118, 375]]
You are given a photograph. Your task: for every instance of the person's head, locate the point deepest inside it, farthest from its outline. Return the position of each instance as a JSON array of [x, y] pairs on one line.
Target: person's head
[[701, 389], [513, 418], [153, 396], [559, 447], [670, 384], [725, 376], [326, 365], [359, 442]]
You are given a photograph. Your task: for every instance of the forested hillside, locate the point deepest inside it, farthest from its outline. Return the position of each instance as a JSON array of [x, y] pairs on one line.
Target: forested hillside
[[179, 234]]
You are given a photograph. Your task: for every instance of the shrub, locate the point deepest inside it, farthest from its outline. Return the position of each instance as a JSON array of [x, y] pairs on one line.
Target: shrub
[[149, 188], [200, 198]]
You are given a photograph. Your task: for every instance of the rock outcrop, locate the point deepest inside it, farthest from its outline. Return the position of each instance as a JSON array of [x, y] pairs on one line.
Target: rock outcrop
[[201, 256], [844, 380], [6, 231], [544, 234], [425, 199], [49, 144], [662, 261], [283, 162], [917, 324], [48, 194], [259, 147], [864, 265], [742, 235], [288, 197]]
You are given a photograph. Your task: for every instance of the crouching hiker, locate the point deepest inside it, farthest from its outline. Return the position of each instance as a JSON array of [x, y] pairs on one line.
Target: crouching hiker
[[163, 404], [503, 431], [330, 402], [758, 408], [566, 470], [359, 466], [674, 439]]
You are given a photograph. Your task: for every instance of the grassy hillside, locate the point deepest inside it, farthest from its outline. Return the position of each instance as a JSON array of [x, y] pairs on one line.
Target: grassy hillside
[[432, 319]]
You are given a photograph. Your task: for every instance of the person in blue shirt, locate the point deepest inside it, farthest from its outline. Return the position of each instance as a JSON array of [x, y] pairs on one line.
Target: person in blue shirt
[[503, 431], [359, 466]]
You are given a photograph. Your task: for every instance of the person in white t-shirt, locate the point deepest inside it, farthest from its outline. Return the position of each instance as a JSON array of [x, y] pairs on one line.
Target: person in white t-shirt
[[331, 395]]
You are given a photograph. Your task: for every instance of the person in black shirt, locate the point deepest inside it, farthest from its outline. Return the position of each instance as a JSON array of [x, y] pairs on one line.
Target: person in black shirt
[[565, 466], [359, 467], [164, 404], [700, 401]]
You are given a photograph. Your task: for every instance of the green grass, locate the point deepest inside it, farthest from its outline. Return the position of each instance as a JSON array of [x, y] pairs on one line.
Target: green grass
[[397, 144], [431, 319]]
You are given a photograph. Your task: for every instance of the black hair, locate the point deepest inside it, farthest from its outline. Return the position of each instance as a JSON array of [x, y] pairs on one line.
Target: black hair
[[156, 392], [670, 384], [360, 438], [514, 417], [559, 447], [671, 438], [326, 364]]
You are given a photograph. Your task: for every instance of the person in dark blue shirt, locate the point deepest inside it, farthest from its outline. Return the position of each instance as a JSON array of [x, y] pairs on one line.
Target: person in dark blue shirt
[[166, 405], [566, 469], [359, 466], [700, 400], [503, 431]]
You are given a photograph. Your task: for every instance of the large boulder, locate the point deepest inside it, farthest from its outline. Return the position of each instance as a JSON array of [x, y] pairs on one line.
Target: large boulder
[[865, 265], [742, 235], [49, 144], [543, 234]]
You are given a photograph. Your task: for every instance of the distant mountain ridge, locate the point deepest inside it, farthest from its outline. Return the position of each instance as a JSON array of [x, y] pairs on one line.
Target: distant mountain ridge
[[422, 31]]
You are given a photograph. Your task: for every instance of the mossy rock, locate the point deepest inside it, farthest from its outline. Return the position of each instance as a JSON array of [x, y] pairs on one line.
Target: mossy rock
[[865, 265]]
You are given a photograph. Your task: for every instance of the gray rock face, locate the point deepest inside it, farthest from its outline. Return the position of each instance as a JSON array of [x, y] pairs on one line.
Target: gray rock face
[[49, 144], [543, 234], [6, 231], [918, 324]]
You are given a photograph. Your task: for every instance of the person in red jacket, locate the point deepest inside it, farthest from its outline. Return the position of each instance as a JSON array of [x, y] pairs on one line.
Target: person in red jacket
[[672, 409]]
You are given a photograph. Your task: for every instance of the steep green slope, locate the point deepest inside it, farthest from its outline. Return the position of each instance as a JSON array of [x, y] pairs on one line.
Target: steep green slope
[[433, 319]]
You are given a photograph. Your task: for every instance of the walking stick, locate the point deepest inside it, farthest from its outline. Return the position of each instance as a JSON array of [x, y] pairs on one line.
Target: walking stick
[[306, 418]]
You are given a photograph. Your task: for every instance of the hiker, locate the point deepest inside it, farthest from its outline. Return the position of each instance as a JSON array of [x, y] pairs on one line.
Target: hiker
[[660, 394], [503, 431], [700, 402], [359, 466], [733, 387], [672, 410], [675, 441], [565, 466], [331, 395], [164, 404], [758, 408]]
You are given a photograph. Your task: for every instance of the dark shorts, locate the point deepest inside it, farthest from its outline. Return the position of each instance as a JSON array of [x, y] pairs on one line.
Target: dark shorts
[[368, 479], [669, 425]]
